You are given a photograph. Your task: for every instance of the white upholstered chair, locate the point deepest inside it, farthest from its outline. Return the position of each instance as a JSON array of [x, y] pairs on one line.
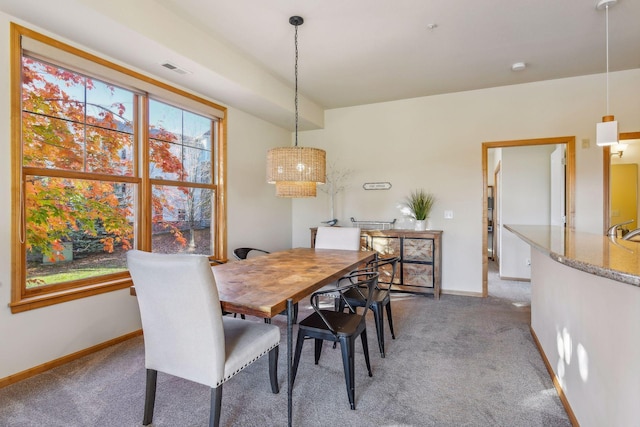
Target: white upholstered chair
[[185, 334], [338, 238], [346, 238]]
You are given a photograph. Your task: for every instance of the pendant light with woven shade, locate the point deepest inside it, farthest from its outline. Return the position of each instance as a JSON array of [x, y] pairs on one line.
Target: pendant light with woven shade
[[296, 170], [607, 130]]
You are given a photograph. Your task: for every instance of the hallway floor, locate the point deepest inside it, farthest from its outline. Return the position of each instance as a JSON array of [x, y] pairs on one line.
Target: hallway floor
[[519, 292]]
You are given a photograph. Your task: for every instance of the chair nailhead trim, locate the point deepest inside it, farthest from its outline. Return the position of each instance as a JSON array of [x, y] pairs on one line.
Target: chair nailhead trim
[[246, 364]]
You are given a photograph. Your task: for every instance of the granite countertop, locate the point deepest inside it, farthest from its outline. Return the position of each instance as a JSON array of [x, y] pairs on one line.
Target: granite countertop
[[603, 256]]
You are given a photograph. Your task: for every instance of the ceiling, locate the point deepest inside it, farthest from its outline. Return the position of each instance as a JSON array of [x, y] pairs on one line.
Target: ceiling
[[351, 52], [364, 51]]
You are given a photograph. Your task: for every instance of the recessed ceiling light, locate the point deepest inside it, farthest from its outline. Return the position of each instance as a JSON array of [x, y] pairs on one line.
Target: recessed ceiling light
[[518, 66]]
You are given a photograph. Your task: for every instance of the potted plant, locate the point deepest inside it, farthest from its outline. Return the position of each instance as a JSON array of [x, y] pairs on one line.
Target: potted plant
[[420, 204]]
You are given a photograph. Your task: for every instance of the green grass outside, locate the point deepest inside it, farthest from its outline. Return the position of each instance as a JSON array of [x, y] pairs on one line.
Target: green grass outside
[[73, 275]]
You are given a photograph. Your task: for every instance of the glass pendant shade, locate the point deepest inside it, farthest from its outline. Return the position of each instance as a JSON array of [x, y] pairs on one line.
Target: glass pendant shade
[[607, 132]]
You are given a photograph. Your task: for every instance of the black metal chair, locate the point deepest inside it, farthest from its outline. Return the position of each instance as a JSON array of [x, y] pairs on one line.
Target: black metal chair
[[380, 299], [224, 313], [337, 326], [244, 253]]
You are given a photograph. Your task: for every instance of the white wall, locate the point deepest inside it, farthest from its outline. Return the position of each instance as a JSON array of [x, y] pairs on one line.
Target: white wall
[[524, 199], [587, 327], [435, 143], [255, 218]]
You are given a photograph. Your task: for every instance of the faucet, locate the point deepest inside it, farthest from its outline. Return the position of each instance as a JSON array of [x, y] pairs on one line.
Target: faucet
[[631, 234], [613, 230]]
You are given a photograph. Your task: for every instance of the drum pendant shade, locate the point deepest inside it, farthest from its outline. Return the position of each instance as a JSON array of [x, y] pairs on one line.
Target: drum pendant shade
[[295, 189], [296, 170], [295, 164]]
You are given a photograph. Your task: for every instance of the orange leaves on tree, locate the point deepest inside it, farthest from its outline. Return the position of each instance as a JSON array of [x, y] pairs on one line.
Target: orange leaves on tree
[[57, 206], [161, 156], [62, 130], [177, 234]]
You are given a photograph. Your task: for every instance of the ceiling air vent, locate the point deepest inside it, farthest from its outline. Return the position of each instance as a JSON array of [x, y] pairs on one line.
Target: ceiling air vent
[[173, 67]]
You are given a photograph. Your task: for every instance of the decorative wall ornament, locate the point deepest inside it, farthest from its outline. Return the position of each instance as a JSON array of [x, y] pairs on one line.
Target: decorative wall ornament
[[376, 185]]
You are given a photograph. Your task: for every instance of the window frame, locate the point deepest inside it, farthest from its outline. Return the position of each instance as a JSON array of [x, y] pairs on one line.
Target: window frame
[[21, 300]]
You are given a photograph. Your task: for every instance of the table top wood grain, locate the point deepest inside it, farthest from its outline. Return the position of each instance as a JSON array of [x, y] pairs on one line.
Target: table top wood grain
[[260, 286]]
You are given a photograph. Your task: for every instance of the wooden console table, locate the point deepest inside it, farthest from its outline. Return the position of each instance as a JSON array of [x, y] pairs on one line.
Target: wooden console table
[[420, 255]]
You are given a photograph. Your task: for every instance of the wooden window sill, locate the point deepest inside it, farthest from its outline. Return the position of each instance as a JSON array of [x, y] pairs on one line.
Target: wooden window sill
[[34, 302]]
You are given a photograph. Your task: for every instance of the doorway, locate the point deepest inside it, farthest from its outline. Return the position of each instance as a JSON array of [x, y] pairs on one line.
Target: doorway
[[569, 143], [610, 158]]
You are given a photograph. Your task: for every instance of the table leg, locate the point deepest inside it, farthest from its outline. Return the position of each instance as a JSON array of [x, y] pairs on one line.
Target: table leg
[[289, 359]]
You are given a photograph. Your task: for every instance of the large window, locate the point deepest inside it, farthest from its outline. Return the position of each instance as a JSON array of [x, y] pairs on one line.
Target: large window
[[103, 166]]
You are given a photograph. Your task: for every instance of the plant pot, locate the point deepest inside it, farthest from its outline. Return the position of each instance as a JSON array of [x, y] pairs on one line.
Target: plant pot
[[421, 224]]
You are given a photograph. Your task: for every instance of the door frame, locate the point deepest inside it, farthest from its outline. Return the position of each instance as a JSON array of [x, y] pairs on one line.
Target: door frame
[[497, 176], [606, 179], [570, 184]]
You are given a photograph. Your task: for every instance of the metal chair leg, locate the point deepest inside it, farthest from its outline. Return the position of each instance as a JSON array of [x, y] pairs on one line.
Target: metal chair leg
[[390, 319], [365, 348], [295, 313], [346, 346], [296, 357], [318, 349], [379, 320]]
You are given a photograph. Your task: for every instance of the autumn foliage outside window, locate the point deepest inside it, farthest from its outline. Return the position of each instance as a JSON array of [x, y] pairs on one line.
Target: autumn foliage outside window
[[182, 196], [82, 184]]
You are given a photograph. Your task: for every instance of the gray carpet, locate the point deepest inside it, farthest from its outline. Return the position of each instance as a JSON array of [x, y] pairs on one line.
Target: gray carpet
[[460, 361], [518, 292]]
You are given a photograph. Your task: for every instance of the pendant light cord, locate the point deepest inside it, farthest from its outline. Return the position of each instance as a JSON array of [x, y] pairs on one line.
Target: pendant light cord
[[607, 50], [296, 82]]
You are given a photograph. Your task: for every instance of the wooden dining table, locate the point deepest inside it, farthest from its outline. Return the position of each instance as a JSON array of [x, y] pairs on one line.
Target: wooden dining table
[[265, 286]]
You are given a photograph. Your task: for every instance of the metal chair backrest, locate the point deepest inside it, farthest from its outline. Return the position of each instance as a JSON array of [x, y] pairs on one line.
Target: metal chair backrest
[[387, 269], [243, 253], [363, 282]]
